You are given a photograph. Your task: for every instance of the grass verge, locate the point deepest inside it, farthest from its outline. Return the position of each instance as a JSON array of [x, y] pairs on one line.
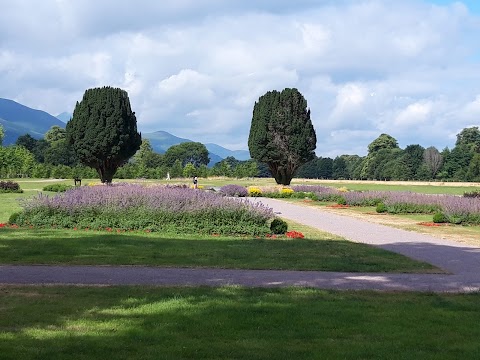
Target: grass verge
[[235, 323], [69, 247], [411, 222]]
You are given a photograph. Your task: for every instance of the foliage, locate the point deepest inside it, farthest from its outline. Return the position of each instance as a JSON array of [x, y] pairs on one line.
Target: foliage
[[364, 198], [318, 168], [278, 226], [281, 133], [321, 193], [10, 187], [439, 218], [381, 208], [187, 152], [470, 137], [2, 134], [234, 190], [159, 208], [472, 194], [384, 141], [103, 130], [15, 161], [57, 187]]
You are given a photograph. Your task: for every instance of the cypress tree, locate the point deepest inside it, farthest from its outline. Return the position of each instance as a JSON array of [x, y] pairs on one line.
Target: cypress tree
[[281, 133], [103, 131]]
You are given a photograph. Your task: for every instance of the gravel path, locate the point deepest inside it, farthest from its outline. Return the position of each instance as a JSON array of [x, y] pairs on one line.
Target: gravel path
[[461, 261]]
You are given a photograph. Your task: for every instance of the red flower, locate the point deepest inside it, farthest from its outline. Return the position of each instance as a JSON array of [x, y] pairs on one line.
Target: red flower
[[295, 235], [2, 225]]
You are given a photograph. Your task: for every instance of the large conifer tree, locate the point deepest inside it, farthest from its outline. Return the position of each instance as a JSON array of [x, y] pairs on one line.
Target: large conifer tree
[[103, 130], [281, 133]]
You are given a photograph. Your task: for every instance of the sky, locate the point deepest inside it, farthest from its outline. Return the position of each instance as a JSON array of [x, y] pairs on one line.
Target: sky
[[195, 68]]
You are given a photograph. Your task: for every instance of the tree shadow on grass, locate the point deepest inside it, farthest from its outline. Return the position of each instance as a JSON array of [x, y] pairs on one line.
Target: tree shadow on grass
[[104, 248], [233, 323]]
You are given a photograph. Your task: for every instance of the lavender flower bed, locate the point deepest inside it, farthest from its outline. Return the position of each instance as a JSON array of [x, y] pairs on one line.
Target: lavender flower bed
[[460, 210], [457, 209], [364, 198], [134, 207], [234, 190], [322, 193]]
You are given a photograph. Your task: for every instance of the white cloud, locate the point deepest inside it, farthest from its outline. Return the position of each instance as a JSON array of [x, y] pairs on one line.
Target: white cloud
[[413, 115], [196, 67]]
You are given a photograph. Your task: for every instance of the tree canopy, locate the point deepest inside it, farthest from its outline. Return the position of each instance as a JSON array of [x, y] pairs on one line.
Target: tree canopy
[[188, 152], [281, 133], [103, 130]]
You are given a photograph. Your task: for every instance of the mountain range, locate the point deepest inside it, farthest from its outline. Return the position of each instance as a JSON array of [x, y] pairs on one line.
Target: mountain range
[[18, 119]]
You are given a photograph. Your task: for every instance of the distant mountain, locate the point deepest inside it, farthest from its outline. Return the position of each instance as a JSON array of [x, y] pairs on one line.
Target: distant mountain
[[18, 119], [162, 140], [64, 117], [224, 153]]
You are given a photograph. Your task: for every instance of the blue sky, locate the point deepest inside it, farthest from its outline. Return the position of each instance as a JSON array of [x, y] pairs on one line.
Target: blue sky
[[195, 68], [472, 5]]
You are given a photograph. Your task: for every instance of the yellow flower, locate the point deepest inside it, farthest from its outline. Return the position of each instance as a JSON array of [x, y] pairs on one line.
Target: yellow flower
[[254, 191]]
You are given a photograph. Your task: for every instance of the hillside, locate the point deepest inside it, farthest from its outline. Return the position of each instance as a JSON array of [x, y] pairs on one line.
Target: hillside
[[18, 119]]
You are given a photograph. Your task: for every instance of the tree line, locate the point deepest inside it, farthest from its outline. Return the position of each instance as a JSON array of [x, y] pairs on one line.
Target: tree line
[[387, 161], [102, 140], [53, 157]]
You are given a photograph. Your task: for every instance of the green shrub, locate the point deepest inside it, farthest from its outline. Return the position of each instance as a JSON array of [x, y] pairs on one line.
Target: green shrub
[[439, 218], [57, 187], [13, 218], [341, 200], [304, 195], [381, 208], [278, 226]]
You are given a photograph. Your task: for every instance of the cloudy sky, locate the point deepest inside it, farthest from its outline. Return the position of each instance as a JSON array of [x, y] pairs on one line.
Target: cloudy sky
[[195, 68]]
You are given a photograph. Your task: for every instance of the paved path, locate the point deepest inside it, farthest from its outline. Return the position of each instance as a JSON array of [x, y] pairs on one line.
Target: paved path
[[461, 261]]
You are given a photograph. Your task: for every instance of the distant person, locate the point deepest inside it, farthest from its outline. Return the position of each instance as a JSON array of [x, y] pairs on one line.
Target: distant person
[[195, 182], [168, 176]]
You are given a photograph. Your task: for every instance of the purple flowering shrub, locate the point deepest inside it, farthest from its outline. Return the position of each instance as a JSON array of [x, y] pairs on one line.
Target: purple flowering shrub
[[134, 207], [319, 192], [456, 209], [10, 187], [234, 190], [462, 210], [364, 198]]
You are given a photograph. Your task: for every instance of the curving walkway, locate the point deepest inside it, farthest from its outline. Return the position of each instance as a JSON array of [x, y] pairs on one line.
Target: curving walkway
[[462, 262]]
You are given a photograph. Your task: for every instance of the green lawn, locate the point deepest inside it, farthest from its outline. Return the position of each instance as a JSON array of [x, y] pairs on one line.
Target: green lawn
[[413, 187], [69, 247], [235, 323]]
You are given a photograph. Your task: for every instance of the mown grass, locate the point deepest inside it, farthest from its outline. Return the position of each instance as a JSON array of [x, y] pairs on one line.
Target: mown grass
[[411, 222], [421, 188], [69, 247], [235, 323]]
